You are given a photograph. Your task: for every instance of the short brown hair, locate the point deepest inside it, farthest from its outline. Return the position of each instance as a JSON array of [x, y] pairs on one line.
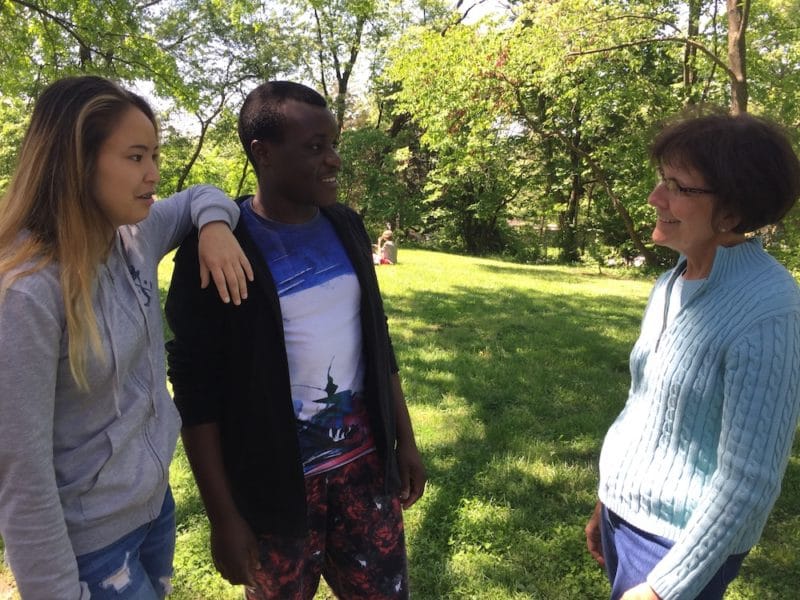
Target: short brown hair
[[748, 161]]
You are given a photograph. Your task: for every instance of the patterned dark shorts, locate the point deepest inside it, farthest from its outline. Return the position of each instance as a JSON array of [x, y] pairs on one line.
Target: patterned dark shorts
[[355, 541]]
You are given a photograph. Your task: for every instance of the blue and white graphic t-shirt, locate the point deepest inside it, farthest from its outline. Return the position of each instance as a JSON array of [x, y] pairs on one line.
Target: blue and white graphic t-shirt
[[320, 302]]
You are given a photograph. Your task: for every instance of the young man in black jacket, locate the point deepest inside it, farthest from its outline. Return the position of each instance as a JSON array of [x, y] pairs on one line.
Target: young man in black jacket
[[294, 420]]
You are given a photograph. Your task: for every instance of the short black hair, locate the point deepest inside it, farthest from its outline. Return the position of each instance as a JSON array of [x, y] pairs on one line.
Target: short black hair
[[261, 117], [748, 161]]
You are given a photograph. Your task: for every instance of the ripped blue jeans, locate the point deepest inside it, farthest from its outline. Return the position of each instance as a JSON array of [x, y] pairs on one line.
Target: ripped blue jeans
[[138, 566]]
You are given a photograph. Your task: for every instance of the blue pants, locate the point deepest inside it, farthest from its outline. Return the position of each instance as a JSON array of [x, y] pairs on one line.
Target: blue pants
[[631, 554], [138, 566]]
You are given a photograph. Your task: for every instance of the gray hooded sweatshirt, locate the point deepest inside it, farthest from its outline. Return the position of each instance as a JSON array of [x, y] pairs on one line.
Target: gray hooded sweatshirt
[[78, 470]]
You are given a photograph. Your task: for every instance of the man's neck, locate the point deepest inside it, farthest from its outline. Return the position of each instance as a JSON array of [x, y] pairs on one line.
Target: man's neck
[[292, 214]]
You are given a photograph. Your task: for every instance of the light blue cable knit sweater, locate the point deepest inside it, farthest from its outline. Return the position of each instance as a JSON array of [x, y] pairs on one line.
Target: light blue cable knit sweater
[[698, 453]]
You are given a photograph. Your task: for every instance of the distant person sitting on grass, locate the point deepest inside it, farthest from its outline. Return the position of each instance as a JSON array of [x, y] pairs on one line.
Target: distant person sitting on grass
[[691, 468], [387, 249]]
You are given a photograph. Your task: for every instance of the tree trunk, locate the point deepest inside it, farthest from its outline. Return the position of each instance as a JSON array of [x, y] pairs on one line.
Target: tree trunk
[[569, 218], [650, 257], [240, 186], [690, 51], [738, 14], [187, 168]]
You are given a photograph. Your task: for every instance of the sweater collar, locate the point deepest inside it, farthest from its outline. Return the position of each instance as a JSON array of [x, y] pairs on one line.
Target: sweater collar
[[728, 261]]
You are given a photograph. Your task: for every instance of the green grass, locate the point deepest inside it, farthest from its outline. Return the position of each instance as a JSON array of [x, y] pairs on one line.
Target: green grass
[[513, 374]]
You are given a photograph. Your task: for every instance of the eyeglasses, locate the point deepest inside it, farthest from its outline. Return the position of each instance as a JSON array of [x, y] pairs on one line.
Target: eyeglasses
[[676, 188]]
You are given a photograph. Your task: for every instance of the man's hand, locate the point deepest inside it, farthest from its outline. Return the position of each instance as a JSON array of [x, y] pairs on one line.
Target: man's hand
[[592, 530], [412, 473], [234, 549], [222, 259]]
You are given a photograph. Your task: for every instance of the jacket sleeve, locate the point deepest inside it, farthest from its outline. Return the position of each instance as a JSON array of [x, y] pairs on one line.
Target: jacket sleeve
[[171, 219], [32, 523], [194, 356], [361, 235], [760, 412]]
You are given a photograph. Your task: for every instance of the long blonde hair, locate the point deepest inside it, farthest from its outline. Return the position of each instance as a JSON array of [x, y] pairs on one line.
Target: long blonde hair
[[49, 214]]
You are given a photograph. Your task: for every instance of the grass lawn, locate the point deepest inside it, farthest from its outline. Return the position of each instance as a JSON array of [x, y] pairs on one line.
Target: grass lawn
[[513, 374]]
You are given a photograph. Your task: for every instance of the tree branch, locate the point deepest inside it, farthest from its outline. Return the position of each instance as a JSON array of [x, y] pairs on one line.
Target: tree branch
[[67, 26], [673, 40]]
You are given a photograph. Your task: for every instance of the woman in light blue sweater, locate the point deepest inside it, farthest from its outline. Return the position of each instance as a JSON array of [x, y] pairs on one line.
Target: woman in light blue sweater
[[691, 468], [87, 428]]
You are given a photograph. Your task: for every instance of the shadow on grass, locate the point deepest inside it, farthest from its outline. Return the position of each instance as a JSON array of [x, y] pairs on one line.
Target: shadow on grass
[[539, 378], [534, 372], [773, 566], [558, 273]]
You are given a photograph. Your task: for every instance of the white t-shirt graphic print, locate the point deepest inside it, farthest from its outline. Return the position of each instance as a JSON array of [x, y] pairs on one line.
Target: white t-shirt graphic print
[[320, 301]]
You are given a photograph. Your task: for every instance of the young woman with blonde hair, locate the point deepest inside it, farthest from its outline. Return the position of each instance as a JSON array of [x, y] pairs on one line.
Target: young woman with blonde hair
[[88, 429]]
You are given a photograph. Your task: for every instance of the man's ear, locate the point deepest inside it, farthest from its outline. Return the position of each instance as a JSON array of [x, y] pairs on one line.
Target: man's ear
[[260, 152]]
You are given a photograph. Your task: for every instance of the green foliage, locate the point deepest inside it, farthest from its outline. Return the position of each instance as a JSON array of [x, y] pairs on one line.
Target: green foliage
[[579, 85], [784, 240], [222, 162], [370, 181], [66, 37], [774, 60], [591, 113], [12, 129], [196, 57], [479, 161]]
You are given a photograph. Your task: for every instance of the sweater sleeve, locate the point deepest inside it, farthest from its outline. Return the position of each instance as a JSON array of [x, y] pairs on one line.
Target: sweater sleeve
[[760, 412], [171, 219], [32, 523]]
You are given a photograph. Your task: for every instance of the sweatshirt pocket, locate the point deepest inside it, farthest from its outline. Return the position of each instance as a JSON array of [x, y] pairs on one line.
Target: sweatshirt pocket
[[129, 477]]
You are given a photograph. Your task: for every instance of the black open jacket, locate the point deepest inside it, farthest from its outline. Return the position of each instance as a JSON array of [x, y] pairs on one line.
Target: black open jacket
[[228, 365]]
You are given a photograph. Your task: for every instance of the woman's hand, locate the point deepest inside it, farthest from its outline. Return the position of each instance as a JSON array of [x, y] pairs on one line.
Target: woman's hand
[[222, 258], [640, 592], [592, 530]]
